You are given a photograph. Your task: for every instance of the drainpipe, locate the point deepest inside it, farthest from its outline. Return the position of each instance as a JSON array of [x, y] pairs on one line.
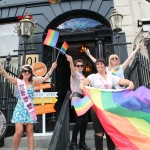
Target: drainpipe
[[142, 12]]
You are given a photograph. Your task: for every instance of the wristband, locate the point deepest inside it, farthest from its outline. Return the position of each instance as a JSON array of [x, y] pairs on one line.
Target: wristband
[[87, 54]]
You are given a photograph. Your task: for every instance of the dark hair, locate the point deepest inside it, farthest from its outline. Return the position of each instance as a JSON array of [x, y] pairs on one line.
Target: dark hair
[[78, 60], [30, 78], [102, 60]]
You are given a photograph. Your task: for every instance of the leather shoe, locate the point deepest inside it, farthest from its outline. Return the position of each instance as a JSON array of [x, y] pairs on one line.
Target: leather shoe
[[83, 146], [73, 146]]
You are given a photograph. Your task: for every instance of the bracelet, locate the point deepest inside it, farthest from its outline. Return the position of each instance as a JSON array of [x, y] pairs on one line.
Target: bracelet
[[87, 54]]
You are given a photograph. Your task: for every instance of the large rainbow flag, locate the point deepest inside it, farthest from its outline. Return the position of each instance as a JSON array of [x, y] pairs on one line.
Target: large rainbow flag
[[51, 38], [82, 106], [125, 116]]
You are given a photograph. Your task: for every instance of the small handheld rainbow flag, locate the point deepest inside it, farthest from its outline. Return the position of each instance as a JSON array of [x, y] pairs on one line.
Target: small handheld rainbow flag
[[83, 105], [51, 38], [64, 48]]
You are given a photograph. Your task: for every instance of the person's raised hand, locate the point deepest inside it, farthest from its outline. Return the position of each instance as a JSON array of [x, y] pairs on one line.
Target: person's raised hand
[[139, 46], [1, 69], [69, 58], [87, 52], [54, 65]]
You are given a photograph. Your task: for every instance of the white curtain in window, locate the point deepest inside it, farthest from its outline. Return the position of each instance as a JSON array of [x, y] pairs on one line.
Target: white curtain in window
[[9, 41]]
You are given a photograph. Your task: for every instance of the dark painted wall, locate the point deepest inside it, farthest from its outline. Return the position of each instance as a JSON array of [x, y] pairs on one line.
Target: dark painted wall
[[51, 15], [45, 13]]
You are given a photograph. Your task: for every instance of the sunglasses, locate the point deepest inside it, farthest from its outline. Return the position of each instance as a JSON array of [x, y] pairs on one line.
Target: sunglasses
[[25, 71], [114, 58], [79, 66]]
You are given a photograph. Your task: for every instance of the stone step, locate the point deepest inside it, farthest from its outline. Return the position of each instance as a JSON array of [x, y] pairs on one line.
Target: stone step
[[42, 142]]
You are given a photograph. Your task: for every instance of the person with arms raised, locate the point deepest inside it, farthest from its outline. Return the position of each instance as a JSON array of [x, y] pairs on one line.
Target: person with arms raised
[[81, 121], [24, 112]]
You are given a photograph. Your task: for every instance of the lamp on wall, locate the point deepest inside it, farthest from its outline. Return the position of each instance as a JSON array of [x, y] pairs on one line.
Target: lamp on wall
[[54, 1], [115, 20], [26, 29], [82, 49]]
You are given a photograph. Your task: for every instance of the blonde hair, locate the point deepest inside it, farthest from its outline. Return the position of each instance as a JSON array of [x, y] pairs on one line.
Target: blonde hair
[[109, 61]]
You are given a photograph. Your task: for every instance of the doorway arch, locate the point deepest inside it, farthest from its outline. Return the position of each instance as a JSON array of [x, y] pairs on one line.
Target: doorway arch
[[76, 14], [99, 35]]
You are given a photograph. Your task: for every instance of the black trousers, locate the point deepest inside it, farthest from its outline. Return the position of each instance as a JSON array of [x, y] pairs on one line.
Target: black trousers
[[98, 128], [80, 125]]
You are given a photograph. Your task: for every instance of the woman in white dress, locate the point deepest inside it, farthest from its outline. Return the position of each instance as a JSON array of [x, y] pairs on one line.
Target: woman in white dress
[[103, 81]]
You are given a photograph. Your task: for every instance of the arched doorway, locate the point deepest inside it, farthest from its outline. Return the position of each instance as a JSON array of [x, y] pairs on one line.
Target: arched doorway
[[77, 27]]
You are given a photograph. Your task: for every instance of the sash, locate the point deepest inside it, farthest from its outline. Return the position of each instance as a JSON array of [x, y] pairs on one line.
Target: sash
[[105, 84], [26, 99], [80, 76]]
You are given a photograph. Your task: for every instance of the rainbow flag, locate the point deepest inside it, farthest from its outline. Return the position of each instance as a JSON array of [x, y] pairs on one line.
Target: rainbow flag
[[83, 105], [125, 116], [51, 38], [64, 48]]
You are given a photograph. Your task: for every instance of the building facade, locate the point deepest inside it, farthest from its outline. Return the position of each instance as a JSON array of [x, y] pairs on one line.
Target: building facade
[[78, 22]]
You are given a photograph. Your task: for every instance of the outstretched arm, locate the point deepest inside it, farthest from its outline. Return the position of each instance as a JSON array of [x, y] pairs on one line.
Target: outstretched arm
[[5, 75], [126, 63], [73, 71], [126, 83], [47, 76], [90, 56], [84, 83]]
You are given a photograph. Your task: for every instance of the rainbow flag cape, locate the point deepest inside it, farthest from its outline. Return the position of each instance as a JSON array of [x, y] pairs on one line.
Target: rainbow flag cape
[[83, 105], [125, 116], [64, 48], [51, 38]]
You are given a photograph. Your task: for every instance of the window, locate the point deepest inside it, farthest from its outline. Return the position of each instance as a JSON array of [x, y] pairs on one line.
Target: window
[[79, 25]]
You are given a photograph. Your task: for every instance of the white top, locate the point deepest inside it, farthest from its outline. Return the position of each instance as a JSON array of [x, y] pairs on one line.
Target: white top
[[97, 81], [120, 74], [75, 85]]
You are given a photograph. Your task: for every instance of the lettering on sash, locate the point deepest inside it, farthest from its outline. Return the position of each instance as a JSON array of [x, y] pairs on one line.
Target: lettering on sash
[[29, 106], [26, 99]]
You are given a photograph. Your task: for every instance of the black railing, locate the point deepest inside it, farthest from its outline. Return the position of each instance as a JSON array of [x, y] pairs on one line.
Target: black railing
[[61, 134], [140, 71], [7, 99]]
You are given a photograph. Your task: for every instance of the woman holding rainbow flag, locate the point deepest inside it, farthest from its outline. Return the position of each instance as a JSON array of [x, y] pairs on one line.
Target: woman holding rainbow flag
[[24, 112], [103, 81], [81, 121]]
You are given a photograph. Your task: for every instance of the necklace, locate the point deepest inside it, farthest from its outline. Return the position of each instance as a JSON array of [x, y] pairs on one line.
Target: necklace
[[114, 72]]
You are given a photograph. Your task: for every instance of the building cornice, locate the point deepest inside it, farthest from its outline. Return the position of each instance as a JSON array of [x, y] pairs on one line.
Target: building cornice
[[14, 3]]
